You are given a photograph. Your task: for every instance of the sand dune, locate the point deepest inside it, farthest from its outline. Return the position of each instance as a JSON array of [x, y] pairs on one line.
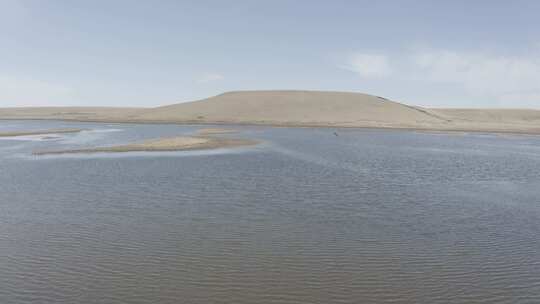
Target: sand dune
[[301, 108], [307, 108]]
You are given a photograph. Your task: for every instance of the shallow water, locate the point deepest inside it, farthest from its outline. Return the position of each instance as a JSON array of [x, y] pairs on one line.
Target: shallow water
[[368, 216]]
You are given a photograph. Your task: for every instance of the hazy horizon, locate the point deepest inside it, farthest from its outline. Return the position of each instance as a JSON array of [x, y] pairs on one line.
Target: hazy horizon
[[142, 54]]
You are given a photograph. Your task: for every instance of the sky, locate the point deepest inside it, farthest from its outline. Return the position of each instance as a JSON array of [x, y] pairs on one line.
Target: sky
[[150, 53]]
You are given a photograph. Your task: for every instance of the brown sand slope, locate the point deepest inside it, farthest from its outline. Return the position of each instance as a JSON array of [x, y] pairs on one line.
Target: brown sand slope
[[301, 108], [298, 108]]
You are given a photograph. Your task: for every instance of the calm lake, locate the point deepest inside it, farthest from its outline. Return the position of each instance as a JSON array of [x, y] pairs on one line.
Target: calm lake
[[368, 216]]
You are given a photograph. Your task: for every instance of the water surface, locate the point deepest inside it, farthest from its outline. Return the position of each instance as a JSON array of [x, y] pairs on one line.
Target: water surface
[[368, 216]]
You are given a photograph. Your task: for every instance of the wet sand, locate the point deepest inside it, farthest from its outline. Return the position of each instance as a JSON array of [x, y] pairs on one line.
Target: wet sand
[[181, 143], [38, 132], [215, 131]]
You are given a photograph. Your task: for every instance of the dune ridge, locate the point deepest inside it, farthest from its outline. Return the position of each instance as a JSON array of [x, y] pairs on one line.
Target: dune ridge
[[301, 109]]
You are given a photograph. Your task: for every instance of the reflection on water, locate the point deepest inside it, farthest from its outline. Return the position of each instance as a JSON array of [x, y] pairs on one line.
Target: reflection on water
[[306, 217]]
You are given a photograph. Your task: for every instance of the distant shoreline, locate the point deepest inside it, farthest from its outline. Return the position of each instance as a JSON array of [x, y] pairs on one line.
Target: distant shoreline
[[39, 132], [522, 131], [299, 109]]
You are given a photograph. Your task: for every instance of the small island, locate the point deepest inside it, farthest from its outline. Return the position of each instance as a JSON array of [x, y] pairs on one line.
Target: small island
[[180, 143], [39, 132], [214, 131]]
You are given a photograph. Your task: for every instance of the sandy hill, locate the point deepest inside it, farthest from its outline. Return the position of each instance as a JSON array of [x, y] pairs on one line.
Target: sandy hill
[[300, 108], [295, 108]]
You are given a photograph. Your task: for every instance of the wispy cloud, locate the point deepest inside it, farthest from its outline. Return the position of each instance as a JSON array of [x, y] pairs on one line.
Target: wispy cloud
[[478, 72], [368, 65], [210, 77], [505, 79]]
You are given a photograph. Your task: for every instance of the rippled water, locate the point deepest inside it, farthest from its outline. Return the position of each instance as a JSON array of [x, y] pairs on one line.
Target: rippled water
[[305, 217]]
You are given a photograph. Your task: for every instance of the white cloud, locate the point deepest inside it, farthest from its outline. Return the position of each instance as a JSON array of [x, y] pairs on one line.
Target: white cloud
[[480, 73], [520, 100], [210, 77], [492, 79], [368, 65], [16, 91]]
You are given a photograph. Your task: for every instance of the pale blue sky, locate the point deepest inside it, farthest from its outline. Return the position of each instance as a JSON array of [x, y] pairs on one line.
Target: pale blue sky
[[148, 53]]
